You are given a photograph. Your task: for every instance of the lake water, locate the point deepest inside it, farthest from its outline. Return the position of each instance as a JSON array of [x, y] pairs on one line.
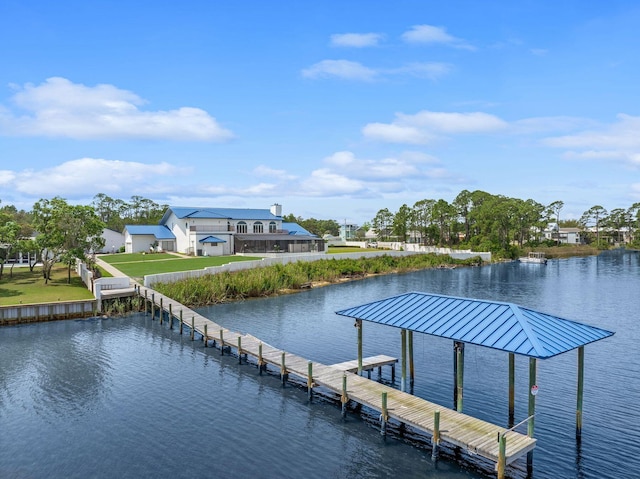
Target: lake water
[[131, 398]]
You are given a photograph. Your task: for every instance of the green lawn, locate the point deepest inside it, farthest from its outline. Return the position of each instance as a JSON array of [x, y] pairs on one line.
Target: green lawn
[[26, 287], [136, 265]]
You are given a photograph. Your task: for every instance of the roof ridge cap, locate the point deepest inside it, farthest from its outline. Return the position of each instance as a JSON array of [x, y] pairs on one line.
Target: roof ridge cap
[[524, 323]]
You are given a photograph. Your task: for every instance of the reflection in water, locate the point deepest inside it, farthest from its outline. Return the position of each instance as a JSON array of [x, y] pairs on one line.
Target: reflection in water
[[134, 399]]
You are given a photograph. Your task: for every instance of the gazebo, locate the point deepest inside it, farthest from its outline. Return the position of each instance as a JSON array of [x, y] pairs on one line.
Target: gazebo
[[493, 324]]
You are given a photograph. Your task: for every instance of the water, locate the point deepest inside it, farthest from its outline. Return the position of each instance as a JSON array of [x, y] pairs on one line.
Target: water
[[130, 398]]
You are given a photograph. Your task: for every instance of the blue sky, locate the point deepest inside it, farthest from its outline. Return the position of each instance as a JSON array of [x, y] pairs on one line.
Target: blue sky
[[334, 109]]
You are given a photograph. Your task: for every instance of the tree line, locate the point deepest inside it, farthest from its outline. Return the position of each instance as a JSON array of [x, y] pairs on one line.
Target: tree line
[[55, 231], [500, 224]]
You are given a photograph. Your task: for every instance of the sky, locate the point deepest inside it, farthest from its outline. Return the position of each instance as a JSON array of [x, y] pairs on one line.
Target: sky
[[333, 109]]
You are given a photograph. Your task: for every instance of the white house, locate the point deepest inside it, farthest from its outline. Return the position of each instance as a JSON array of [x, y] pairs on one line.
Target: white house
[[222, 231], [113, 241]]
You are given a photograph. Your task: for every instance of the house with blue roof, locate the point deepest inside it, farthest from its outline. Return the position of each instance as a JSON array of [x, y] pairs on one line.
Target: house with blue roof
[[222, 231]]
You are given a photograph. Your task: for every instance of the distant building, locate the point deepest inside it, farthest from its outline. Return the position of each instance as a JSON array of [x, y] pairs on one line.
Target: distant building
[[221, 231], [563, 235], [348, 232]]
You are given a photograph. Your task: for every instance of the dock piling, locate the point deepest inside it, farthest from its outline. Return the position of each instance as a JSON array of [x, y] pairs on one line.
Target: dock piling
[[206, 335], [193, 328], [239, 349], [181, 322], [435, 439], [344, 398], [384, 415], [310, 381], [284, 374]]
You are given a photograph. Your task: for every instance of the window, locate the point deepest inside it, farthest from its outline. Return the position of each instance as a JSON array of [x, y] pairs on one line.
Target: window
[[272, 227], [258, 227], [242, 227]]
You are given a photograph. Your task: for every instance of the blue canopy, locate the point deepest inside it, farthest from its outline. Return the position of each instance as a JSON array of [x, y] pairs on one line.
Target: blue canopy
[[497, 325], [212, 239]]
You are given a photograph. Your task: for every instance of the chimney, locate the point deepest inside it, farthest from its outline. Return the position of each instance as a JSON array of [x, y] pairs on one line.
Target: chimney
[[276, 209]]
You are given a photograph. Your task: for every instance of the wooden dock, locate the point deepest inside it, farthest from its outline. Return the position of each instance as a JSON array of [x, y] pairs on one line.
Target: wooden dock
[[475, 436]]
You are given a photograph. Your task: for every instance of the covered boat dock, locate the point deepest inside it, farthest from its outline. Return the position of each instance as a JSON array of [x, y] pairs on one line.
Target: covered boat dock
[[497, 325]]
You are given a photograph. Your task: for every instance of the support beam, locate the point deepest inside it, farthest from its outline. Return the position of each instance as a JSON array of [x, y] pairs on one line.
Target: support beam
[[580, 392], [411, 368], [533, 390], [358, 325], [512, 388], [403, 346], [459, 368]]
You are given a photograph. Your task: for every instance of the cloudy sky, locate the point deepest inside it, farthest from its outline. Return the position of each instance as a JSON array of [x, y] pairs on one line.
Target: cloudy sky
[[333, 109]]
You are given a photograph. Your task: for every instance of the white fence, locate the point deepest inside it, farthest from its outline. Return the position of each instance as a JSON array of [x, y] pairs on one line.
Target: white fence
[[97, 285], [279, 258]]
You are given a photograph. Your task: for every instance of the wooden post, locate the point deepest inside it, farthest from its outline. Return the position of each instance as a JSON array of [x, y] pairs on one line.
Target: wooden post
[[221, 342], [181, 322], [170, 317], [309, 380], [580, 392], [459, 375], [403, 346], [260, 364], [283, 370], [384, 415], [193, 328], [411, 368], [512, 388], [239, 349], [435, 439], [146, 302], [161, 310], [359, 326], [153, 306], [206, 335], [502, 456], [532, 407], [344, 399]]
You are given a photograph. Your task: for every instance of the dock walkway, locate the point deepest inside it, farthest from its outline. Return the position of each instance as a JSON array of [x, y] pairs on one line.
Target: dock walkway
[[473, 435]]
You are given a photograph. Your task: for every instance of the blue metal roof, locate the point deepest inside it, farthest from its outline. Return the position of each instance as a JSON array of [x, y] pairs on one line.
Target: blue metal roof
[[212, 239], [159, 231], [296, 229], [220, 213], [503, 326]]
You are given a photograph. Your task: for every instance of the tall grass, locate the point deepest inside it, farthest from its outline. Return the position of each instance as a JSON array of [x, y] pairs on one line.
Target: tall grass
[[277, 279]]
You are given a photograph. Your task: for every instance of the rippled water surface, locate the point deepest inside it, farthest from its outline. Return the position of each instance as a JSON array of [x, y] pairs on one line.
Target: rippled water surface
[[130, 398]]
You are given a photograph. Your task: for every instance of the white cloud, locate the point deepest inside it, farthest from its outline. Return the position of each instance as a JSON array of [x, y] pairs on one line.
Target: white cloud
[[392, 133], [345, 69], [88, 176], [262, 170], [6, 177], [60, 108], [425, 126], [385, 169], [356, 40], [324, 182], [429, 34], [430, 70], [619, 141]]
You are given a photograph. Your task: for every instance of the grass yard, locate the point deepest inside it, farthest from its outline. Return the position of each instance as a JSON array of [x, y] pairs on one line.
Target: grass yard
[[136, 265], [26, 287]]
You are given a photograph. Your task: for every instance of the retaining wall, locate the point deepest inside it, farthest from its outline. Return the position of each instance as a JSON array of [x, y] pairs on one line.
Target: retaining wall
[[31, 313]]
